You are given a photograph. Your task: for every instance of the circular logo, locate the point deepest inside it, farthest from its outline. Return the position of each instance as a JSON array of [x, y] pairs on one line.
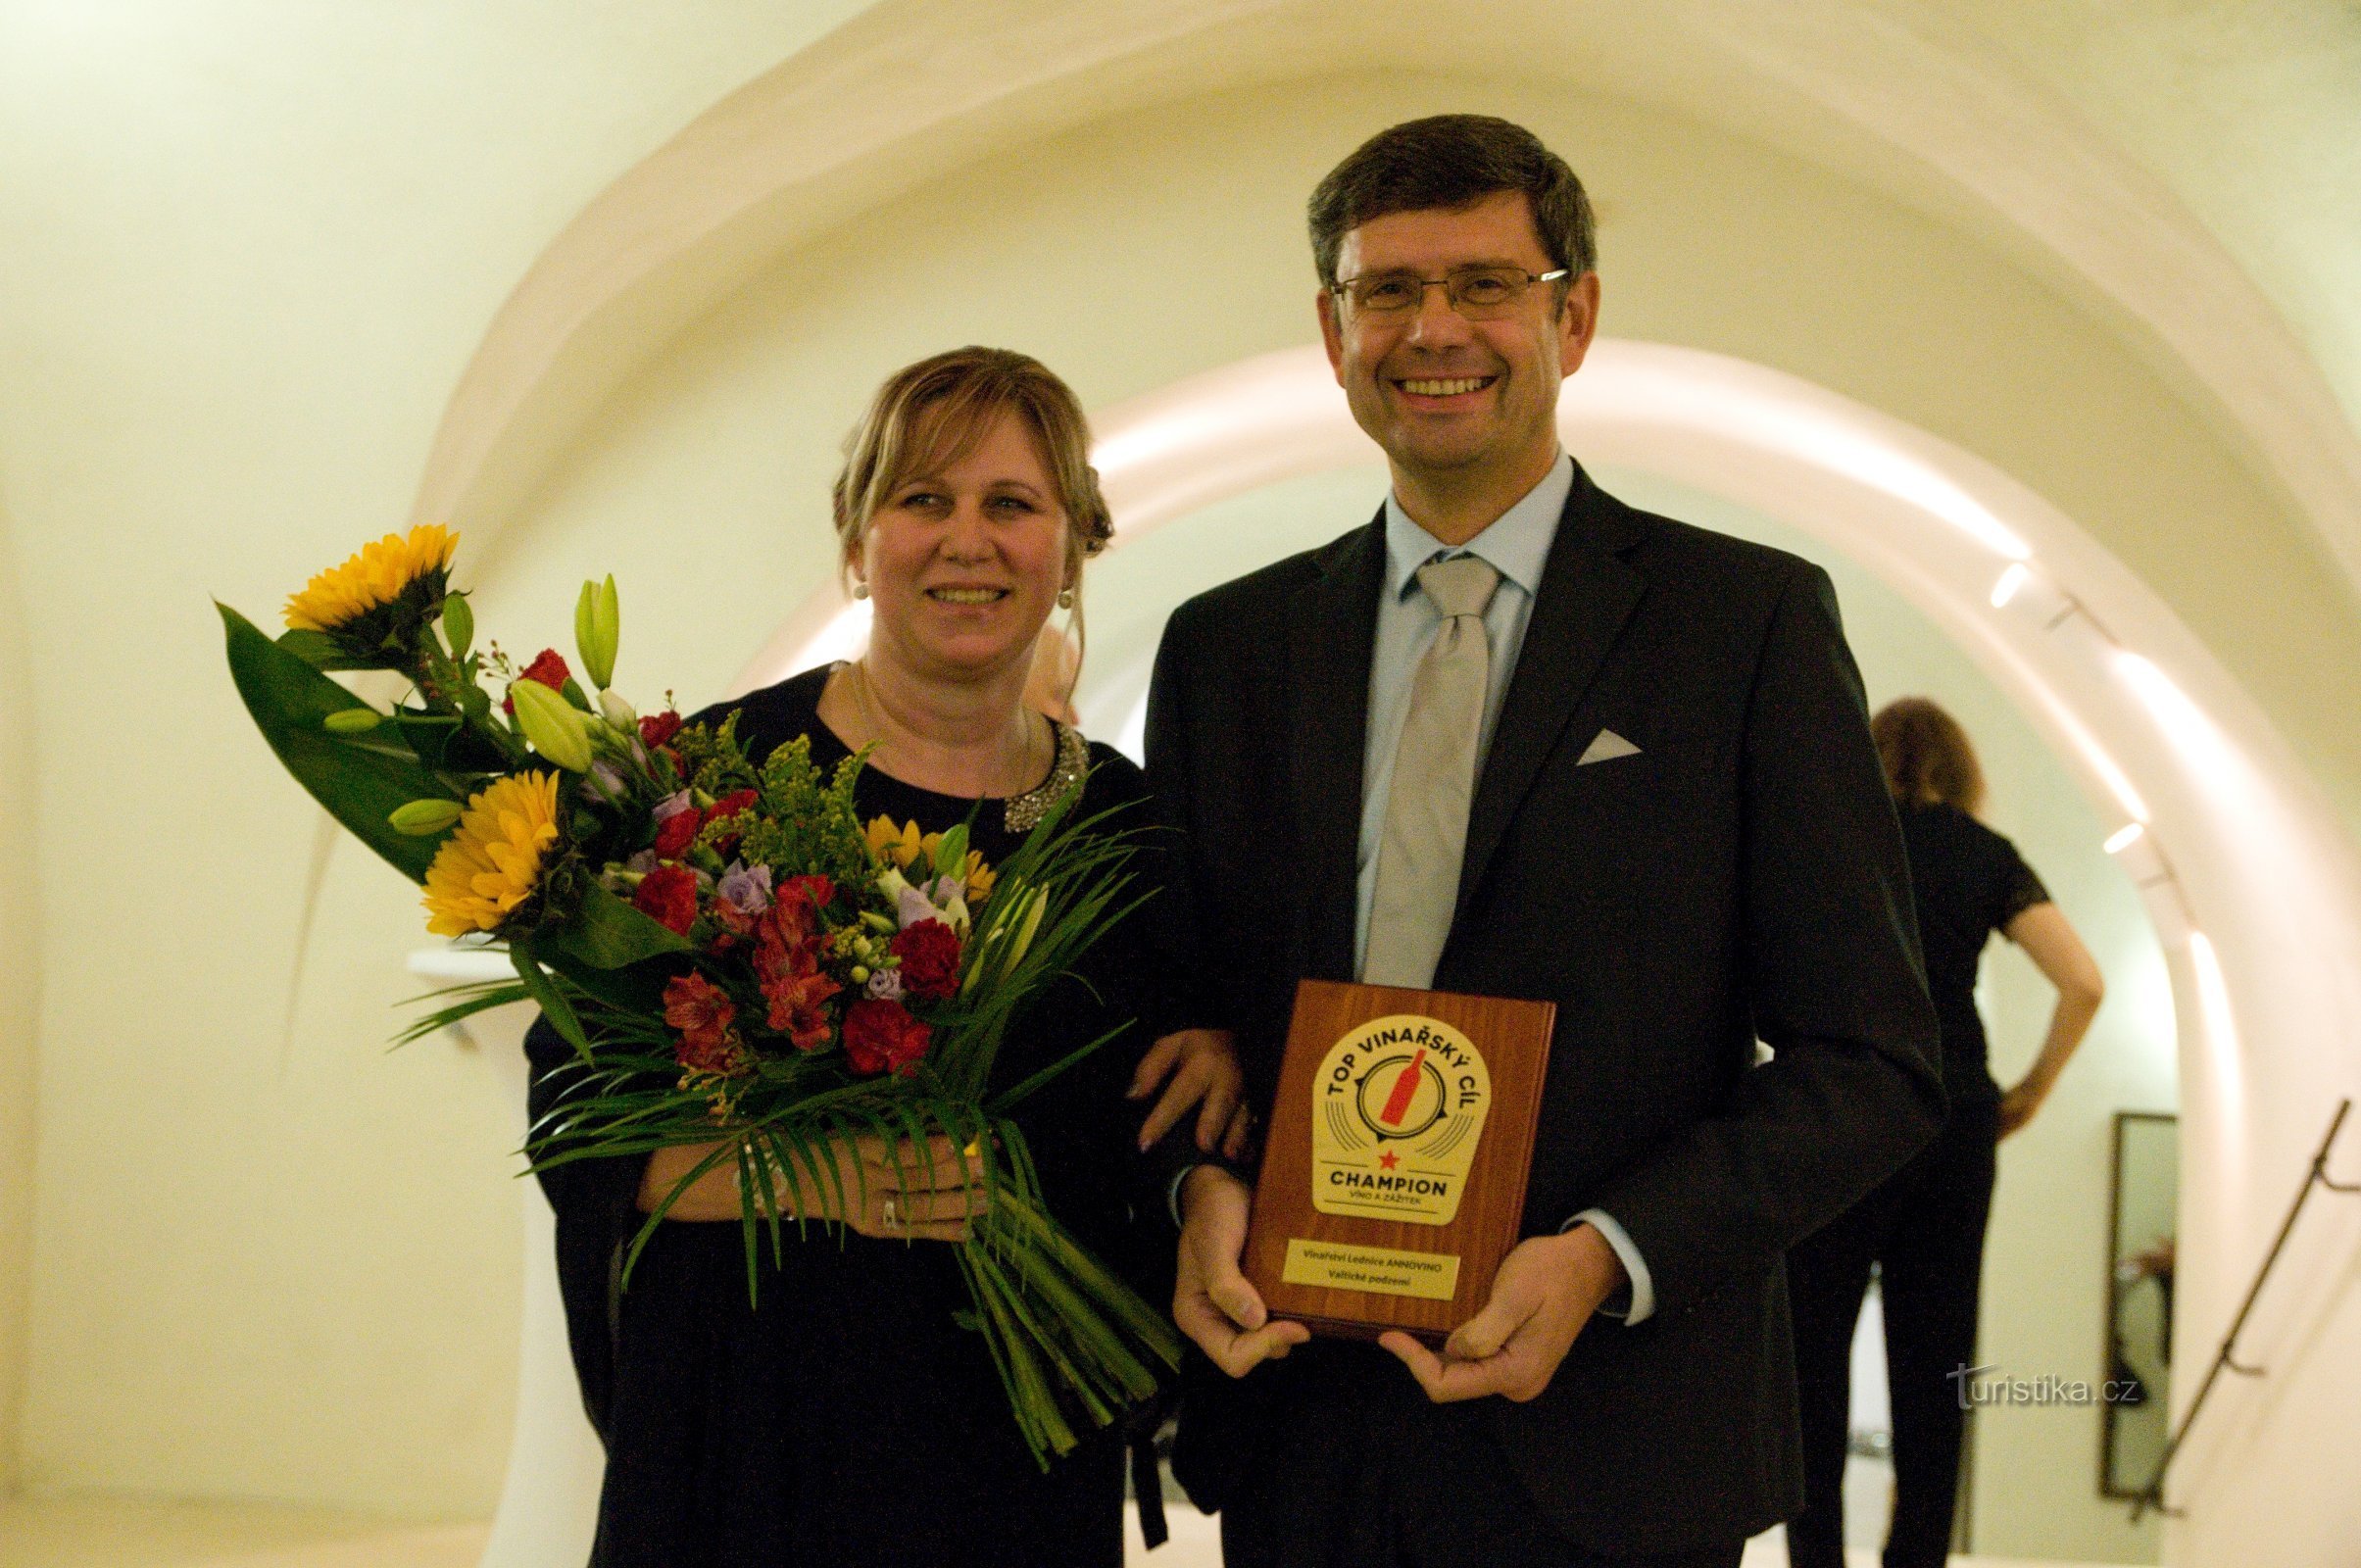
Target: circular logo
[[1397, 1106], [1401, 1096]]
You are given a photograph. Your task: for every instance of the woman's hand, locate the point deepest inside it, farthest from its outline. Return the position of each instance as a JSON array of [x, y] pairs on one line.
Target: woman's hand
[[1202, 1067], [2051, 943], [893, 1190], [2018, 1104]]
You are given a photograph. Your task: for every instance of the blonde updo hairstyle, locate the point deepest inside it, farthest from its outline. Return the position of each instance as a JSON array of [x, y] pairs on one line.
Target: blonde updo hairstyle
[[1927, 755], [930, 415]]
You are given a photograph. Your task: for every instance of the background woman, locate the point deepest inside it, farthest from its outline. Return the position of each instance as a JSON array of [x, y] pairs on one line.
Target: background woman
[[849, 1418], [1924, 1227]]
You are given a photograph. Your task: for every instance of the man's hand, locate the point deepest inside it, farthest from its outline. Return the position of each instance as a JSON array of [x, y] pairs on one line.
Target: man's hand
[[1204, 1067], [1211, 1302], [1545, 1292]]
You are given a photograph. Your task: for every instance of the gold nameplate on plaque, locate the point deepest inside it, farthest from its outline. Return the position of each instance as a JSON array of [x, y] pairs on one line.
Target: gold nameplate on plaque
[[1393, 1179], [1401, 1111], [1337, 1267]]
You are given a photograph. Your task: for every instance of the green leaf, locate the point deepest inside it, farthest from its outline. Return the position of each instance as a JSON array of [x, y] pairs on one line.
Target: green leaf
[[607, 933], [323, 652], [951, 852], [459, 624], [289, 700], [553, 1003]]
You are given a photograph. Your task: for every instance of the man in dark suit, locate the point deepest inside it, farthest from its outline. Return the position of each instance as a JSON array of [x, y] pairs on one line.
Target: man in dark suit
[[1610, 760]]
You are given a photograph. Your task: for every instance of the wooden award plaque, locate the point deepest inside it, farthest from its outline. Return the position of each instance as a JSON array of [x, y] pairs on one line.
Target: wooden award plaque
[[1393, 1167]]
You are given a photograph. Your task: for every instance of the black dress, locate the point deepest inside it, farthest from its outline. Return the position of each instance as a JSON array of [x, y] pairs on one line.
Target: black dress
[[1923, 1227], [847, 1419]]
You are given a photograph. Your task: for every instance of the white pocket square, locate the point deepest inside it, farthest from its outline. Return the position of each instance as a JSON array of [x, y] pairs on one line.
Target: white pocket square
[[1606, 748]]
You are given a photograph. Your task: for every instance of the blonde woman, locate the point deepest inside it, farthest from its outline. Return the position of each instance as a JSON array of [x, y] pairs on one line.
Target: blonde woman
[[1924, 1227], [849, 1418]]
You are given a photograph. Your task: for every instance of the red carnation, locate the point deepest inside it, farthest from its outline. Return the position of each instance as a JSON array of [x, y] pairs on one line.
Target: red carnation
[[703, 1013], [667, 895], [882, 1036], [675, 833], [929, 952], [549, 668], [657, 729]]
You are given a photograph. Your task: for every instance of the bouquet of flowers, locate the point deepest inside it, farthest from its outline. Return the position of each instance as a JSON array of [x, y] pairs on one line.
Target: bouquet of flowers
[[736, 959]]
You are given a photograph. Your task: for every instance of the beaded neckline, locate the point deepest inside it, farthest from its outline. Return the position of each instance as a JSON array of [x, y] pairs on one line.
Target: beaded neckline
[[1020, 813]]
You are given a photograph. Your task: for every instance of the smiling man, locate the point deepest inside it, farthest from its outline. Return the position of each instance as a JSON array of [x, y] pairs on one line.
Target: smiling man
[[1514, 738]]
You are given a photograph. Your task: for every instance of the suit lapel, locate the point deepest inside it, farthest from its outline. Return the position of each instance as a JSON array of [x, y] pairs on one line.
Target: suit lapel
[[1587, 593], [1331, 641]]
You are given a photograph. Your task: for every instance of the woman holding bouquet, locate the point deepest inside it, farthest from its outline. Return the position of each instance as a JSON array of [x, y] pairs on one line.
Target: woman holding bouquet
[[848, 1417]]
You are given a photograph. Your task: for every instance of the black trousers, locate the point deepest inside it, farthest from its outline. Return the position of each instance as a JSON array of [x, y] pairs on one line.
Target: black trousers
[[1351, 1466], [1924, 1228]]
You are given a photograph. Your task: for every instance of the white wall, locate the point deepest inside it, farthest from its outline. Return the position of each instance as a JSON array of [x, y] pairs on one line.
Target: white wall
[[245, 251], [20, 1000]]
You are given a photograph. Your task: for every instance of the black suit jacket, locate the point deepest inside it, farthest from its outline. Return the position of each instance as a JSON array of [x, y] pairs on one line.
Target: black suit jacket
[[1741, 876]]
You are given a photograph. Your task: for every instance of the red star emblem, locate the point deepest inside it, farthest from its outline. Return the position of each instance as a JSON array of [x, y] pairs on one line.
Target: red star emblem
[[1388, 1160]]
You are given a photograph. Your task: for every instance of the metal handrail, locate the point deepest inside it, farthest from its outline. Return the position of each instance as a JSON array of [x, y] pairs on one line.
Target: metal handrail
[[2152, 1494]]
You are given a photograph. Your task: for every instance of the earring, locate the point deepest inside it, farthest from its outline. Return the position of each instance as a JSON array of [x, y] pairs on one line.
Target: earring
[[1065, 599], [861, 590]]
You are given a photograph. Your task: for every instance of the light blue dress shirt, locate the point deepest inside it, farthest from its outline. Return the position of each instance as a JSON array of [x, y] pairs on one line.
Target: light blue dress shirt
[[1516, 545]]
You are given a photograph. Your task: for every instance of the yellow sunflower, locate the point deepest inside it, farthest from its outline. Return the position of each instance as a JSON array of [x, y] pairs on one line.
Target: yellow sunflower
[[378, 576], [492, 861]]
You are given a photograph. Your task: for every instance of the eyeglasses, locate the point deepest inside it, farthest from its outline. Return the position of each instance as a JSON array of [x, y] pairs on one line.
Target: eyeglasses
[[1478, 293]]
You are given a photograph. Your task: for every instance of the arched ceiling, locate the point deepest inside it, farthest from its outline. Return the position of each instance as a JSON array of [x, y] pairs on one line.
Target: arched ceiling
[[2172, 166]]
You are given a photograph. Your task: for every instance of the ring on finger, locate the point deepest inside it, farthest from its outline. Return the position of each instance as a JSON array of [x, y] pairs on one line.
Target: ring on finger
[[889, 1211]]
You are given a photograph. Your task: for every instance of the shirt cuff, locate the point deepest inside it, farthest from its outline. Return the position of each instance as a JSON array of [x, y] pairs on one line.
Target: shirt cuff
[[1641, 1302], [1172, 1193]]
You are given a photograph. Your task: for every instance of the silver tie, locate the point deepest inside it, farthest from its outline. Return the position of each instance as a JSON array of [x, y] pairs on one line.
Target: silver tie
[[1425, 833]]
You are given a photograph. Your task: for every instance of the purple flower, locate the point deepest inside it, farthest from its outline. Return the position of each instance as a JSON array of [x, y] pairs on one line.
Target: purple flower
[[673, 805], [642, 863], [746, 889], [911, 907], [607, 780], [885, 985]]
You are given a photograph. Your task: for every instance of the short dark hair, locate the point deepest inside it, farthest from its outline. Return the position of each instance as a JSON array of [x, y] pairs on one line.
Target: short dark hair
[[1451, 162]]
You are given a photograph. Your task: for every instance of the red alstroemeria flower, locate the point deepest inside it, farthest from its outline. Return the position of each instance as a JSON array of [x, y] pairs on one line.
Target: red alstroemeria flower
[[735, 924], [929, 952], [667, 895], [797, 999], [883, 1036], [703, 1013], [813, 889], [549, 668], [793, 920]]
